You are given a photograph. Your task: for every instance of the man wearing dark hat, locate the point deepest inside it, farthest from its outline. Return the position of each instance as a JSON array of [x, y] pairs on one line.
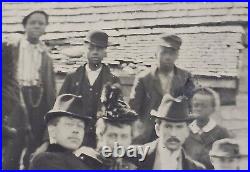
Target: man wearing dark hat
[[171, 127], [66, 127], [225, 154], [166, 79], [88, 80], [114, 126]]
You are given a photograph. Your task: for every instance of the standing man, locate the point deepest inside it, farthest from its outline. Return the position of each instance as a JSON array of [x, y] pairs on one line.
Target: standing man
[[171, 127], [88, 80], [166, 79], [66, 127], [204, 130], [35, 75]]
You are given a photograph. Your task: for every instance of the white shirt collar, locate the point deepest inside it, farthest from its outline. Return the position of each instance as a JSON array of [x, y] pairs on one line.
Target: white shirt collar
[[196, 129], [92, 71]]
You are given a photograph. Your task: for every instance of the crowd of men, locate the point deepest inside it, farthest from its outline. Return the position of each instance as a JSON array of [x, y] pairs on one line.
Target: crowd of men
[[172, 117]]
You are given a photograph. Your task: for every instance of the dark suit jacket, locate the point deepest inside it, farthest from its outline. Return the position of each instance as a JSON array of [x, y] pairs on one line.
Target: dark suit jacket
[[59, 158], [148, 163], [147, 94]]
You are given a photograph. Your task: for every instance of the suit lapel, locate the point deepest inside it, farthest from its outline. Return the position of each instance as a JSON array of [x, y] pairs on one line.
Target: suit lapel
[[156, 82]]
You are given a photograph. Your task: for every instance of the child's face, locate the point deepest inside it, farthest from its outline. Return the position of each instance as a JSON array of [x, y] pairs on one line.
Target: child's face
[[225, 163], [120, 134], [202, 104]]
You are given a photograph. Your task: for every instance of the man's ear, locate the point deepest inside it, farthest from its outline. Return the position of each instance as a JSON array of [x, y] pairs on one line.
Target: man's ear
[[52, 133], [157, 129]]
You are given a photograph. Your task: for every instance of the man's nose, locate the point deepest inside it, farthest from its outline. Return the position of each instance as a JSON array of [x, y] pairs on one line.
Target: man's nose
[[173, 132]]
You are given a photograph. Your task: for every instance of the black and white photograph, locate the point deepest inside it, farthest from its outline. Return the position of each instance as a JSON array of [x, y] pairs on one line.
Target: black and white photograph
[[124, 85]]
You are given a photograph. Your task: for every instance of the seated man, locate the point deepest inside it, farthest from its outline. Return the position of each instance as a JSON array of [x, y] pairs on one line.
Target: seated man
[[225, 155], [171, 127], [204, 130], [66, 127], [114, 126]]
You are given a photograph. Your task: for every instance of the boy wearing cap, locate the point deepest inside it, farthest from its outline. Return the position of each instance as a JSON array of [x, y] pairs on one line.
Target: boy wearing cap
[[88, 80], [225, 154], [115, 126], [171, 126], [204, 130], [66, 129], [150, 86]]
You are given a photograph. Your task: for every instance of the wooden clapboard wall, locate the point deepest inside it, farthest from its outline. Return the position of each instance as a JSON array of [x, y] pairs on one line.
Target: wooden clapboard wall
[[211, 32]]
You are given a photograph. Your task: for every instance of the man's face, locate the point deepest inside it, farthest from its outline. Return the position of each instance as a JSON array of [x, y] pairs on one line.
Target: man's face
[[172, 135], [225, 163], [68, 132], [202, 104], [95, 54], [122, 135], [166, 56], [36, 25]]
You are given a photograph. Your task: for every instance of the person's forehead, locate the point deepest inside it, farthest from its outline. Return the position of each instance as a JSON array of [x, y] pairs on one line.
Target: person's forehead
[[173, 123], [118, 129], [70, 119], [94, 46]]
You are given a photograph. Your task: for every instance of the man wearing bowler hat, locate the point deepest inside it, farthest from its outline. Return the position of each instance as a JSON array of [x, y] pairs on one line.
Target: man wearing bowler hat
[[66, 127], [166, 79], [225, 154], [171, 126], [89, 79]]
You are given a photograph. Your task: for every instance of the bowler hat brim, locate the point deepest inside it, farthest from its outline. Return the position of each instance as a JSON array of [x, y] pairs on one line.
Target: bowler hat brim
[[53, 114], [109, 44], [188, 119]]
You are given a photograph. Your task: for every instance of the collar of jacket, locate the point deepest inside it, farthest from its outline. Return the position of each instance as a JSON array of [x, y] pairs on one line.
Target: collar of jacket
[[57, 148]]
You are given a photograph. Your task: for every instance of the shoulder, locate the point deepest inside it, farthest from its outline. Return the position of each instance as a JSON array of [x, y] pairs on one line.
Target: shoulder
[[182, 72], [46, 160], [12, 40], [221, 130], [194, 164], [76, 72], [145, 74]]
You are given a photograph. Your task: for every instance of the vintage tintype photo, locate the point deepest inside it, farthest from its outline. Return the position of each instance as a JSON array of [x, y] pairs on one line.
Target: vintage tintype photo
[[125, 85]]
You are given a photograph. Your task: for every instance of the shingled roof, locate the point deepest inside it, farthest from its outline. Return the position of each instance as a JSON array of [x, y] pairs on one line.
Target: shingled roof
[[211, 32]]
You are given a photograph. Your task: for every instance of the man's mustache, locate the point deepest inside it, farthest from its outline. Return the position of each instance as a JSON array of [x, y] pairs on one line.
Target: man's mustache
[[173, 139]]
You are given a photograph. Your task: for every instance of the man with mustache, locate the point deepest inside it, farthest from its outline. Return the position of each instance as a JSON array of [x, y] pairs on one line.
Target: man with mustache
[[171, 126], [150, 86], [66, 126], [89, 79]]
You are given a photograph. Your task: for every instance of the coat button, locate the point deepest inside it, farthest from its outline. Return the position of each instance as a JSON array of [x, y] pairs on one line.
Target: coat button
[[91, 89]]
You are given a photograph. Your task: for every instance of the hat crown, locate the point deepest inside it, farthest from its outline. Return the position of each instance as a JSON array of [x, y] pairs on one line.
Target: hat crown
[[67, 105], [225, 148], [97, 37], [175, 111], [114, 108], [171, 41]]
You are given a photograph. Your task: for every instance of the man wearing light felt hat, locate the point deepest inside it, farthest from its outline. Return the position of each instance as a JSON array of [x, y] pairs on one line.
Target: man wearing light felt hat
[[66, 126], [166, 79], [171, 126], [89, 79], [225, 154]]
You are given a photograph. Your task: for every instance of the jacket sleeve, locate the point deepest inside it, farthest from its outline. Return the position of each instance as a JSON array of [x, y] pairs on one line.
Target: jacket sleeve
[[46, 161], [137, 95], [66, 85], [51, 84], [189, 86]]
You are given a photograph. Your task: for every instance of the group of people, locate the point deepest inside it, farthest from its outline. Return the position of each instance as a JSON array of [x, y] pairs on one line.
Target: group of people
[[166, 111]]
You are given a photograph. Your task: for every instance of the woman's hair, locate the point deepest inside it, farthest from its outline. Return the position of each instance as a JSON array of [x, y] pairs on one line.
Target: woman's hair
[[26, 18]]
